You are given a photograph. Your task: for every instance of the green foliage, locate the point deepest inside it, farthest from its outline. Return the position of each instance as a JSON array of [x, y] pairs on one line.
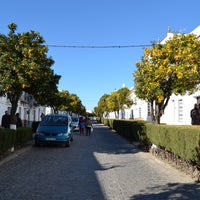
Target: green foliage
[[14, 138], [173, 67], [7, 139], [24, 66], [102, 106], [132, 130], [23, 135], [76, 105], [117, 100], [183, 141]]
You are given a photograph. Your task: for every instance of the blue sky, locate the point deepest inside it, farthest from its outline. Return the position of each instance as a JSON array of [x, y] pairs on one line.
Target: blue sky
[[92, 72]]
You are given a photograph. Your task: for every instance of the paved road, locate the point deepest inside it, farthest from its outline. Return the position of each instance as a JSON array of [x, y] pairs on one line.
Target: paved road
[[103, 166]]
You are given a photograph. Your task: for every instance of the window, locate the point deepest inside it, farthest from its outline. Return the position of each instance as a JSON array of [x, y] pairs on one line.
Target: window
[[131, 114], [148, 109], [140, 111], [180, 110]]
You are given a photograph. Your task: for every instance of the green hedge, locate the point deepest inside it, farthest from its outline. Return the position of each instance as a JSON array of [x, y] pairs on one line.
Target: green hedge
[[14, 138], [7, 139], [183, 141], [23, 135], [132, 130]]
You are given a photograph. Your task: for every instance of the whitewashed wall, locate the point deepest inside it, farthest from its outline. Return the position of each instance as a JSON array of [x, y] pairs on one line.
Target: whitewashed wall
[[28, 113]]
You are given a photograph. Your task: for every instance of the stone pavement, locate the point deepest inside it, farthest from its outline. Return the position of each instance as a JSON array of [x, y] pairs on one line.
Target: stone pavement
[[102, 166]]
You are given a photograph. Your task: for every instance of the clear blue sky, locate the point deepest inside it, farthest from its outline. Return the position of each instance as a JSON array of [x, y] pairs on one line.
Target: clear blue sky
[[91, 73]]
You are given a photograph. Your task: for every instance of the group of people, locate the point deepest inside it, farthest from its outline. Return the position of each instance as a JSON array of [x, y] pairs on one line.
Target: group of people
[[5, 121], [195, 115], [85, 125]]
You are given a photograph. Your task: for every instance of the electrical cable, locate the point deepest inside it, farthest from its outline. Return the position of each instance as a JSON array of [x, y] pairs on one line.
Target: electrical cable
[[96, 47]]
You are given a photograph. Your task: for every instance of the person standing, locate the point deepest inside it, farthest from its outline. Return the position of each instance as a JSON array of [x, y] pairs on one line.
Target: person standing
[[81, 125], [5, 121], [89, 126], [42, 116], [19, 121], [195, 115]]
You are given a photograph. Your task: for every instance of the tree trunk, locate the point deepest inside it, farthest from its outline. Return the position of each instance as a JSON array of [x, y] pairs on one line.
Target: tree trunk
[[157, 114], [157, 109], [14, 98], [13, 119]]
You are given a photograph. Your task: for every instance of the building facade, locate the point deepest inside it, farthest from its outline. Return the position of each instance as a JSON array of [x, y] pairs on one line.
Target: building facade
[[28, 110]]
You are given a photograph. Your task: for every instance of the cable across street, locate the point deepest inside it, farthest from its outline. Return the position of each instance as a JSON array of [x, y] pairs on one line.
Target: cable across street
[[96, 47]]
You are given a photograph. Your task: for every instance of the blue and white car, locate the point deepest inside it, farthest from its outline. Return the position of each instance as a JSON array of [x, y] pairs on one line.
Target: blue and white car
[[75, 123], [54, 129]]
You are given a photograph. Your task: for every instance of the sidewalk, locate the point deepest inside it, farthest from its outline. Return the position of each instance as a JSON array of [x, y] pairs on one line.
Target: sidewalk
[[11, 155]]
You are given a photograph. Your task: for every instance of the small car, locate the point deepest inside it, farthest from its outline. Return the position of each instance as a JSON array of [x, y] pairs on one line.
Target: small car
[[54, 129], [75, 123]]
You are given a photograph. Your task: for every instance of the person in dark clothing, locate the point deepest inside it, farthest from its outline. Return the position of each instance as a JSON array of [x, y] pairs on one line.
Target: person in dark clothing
[[5, 121], [19, 121], [195, 115], [88, 126], [42, 116]]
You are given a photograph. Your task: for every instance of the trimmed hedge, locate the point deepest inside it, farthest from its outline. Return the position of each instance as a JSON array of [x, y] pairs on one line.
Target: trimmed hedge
[[7, 139], [23, 135], [183, 141], [14, 138]]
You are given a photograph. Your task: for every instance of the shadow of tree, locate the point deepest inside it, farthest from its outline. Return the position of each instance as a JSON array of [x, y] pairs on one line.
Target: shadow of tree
[[171, 191]]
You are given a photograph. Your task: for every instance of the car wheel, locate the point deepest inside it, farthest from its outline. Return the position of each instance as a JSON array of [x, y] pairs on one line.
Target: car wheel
[[67, 144], [72, 139], [37, 144]]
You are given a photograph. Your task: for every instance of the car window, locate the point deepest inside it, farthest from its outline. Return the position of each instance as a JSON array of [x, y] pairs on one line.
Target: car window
[[75, 119], [54, 121]]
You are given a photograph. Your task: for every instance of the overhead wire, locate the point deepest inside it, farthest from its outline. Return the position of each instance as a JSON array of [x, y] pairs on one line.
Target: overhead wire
[[100, 46]]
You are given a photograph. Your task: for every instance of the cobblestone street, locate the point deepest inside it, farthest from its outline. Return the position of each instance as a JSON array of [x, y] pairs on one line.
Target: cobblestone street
[[102, 166]]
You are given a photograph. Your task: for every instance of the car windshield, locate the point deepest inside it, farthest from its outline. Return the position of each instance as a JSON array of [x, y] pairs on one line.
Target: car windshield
[[54, 121], [75, 119]]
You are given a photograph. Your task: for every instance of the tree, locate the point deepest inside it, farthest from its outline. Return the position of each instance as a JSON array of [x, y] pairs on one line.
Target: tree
[[70, 103], [102, 106], [173, 67], [119, 100], [63, 101], [76, 105], [116, 101], [24, 66]]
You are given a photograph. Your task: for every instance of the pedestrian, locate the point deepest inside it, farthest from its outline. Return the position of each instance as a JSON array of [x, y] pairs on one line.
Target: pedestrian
[[195, 115], [19, 121], [5, 121], [89, 126], [81, 125], [42, 116]]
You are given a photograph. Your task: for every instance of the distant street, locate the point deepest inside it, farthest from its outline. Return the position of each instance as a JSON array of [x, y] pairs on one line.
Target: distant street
[[102, 166]]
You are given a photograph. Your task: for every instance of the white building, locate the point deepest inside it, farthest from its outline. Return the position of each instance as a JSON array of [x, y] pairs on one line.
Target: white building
[[27, 109]]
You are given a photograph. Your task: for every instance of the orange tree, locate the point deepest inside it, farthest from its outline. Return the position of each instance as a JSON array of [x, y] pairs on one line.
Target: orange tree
[[70, 103], [119, 100], [24, 66], [116, 101], [76, 105], [102, 106], [173, 67], [63, 100]]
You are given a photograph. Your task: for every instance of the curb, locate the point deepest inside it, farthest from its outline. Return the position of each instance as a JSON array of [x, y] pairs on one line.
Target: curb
[[14, 154]]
